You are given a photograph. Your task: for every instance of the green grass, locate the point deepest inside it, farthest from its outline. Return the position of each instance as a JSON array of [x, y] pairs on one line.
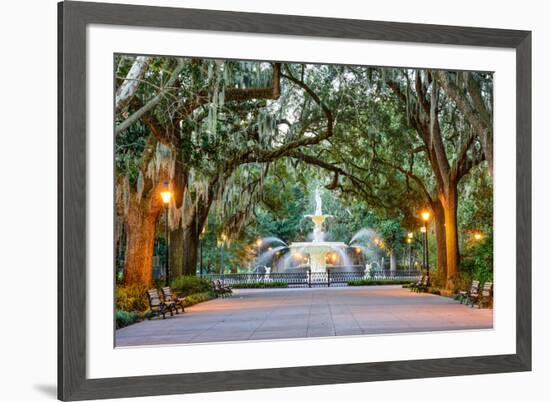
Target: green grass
[[276, 284], [372, 282]]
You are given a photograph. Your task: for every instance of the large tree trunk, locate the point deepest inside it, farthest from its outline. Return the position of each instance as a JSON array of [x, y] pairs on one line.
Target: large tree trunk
[[140, 236], [440, 239], [176, 252], [449, 201], [190, 241]]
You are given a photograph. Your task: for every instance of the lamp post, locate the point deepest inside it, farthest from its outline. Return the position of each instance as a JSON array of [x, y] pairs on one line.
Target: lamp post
[[200, 249], [426, 218], [166, 196], [222, 252], [409, 242]]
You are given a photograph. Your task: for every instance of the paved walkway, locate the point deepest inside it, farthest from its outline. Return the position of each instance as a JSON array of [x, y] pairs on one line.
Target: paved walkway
[[295, 313]]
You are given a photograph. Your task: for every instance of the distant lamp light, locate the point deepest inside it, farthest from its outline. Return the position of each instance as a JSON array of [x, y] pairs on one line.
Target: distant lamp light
[[166, 194], [423, 229], [259, 242], [410, 235], [409, 240], [269, 248], [357, 250], [425, 216], [478, 236]]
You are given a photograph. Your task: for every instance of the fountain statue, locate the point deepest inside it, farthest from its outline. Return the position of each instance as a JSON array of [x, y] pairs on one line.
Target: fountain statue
[[318, 203], [368, 268]]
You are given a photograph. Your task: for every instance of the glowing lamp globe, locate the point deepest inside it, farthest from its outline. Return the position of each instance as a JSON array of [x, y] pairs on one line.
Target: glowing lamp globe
[[166, 196]]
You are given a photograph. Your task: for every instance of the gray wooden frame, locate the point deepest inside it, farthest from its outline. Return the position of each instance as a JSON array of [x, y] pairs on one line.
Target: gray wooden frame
[[73, 17]]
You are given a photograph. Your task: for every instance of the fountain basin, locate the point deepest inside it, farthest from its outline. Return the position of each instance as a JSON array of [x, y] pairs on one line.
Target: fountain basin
[[317, 252]]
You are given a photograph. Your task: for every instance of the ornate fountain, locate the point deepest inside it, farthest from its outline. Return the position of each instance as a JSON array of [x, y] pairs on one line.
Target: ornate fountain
[[318, 249]]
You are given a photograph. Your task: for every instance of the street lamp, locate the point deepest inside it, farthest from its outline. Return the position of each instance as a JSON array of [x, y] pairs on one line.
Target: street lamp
[[166, 196], [426, 218], [222, 268], [478, 236], [201, 236], [409, 242]]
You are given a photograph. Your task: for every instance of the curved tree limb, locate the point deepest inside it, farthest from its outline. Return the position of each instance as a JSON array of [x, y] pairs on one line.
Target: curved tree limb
[[129, 86]]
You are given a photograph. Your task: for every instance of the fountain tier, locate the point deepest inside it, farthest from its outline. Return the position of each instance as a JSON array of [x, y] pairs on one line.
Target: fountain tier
[[317, 252]]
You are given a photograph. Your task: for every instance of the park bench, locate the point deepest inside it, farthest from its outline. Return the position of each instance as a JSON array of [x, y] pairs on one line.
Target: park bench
[[423, 286], [416, 284], [473, 294], [169, 298], [225, 288], [219, 289], [157, 306], [464, 295], [218, 292], [486, 295]]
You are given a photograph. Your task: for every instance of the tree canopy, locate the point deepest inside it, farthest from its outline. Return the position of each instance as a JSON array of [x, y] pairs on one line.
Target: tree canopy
[[243, 144]]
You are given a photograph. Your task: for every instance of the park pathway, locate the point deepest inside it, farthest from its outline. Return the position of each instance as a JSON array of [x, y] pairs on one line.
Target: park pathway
[[256, 314]]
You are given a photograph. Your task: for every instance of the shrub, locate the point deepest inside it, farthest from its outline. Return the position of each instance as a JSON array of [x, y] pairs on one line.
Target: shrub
[[437, 278], [188, 285], [478, 260], [372, 282], [131, 298], [199, 298], [260, 285], [125, 318]]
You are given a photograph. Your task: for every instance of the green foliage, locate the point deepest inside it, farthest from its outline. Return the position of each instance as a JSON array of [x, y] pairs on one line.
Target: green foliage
[[373, 140], [477, 259], [372, 282], [125, 318], [131, 298], [196, 298], [262, 285], [282, 212], [188, 285]]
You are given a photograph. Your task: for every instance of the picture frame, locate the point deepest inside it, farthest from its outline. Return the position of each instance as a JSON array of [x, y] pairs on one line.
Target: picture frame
[[73, 19]]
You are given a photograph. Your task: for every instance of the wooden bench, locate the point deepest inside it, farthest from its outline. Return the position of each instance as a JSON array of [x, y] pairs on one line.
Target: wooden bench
[[486, 296], [473, 295], [170, 298], [226, 289], [465, 295], [423, 286], [219, 289], [416, 284], [157, 306]]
